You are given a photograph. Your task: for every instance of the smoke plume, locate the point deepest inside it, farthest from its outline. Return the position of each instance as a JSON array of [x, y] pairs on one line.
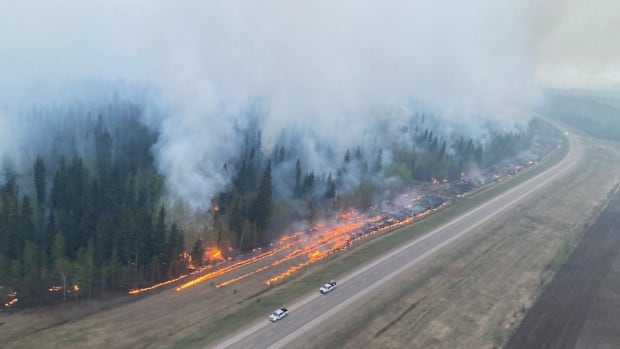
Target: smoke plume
[[331, 73]]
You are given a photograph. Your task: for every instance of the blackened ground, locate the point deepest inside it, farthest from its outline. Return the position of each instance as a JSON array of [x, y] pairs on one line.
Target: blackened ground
[[580, 307]]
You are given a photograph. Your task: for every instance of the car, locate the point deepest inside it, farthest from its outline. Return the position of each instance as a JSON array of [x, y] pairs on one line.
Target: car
[[278, 314], [328, 287]]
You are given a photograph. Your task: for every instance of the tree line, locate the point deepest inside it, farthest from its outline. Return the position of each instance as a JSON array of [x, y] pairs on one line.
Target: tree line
[[88, 219], [88, 230]]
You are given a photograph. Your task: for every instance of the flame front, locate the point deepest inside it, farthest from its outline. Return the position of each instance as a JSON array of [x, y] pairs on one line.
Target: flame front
[[303, 248]]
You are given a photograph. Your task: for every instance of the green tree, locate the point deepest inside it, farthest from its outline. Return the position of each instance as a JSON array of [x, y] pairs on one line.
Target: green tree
[[26, 224], [159, 235], [298, 185], [85, 268], [40, 180], [330, 192], [261, 210], [198, 253], [29, 258], [61, 263]]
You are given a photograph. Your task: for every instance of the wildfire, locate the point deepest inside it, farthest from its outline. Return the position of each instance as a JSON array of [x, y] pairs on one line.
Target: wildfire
[[231, 267], [140, 290], [303, 248], [11, 302], [213, 254]]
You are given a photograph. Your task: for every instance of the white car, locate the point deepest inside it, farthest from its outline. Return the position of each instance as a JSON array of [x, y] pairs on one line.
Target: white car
[[278, 314], [328, 287]]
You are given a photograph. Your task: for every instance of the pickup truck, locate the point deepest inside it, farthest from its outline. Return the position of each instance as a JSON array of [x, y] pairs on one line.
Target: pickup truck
[[328, 287]]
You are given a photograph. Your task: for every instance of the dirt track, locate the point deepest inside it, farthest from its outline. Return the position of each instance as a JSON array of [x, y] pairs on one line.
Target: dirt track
[[580, 307]]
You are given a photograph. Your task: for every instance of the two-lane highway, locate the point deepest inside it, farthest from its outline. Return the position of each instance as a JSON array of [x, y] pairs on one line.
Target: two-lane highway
[[315, 308]]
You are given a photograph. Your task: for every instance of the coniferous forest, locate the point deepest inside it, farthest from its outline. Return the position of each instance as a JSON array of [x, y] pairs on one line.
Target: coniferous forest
[[90, 215]]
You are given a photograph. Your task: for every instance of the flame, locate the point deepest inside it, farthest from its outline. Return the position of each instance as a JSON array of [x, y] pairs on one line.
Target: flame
[[213, 254], [313, 245], [231, 267], [140, 290], [11, 302]]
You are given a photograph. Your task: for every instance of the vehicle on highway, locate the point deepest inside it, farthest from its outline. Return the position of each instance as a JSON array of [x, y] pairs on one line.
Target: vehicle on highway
[[278, 314], [328, 287]]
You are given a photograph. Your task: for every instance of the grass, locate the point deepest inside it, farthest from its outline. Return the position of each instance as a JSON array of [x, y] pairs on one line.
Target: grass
[[561, 255], [340, 264]]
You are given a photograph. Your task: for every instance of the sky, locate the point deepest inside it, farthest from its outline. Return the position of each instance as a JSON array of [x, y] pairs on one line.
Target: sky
[[328, 70], [578, 46]]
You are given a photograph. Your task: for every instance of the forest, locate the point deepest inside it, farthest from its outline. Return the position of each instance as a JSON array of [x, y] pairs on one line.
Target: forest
[[91, 215], [595, 112]]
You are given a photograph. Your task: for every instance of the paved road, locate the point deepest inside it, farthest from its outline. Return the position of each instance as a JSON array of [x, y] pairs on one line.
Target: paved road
[[315, 308]]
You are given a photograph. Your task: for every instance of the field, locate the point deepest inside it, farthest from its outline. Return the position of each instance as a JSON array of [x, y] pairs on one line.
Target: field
[[579, 308], [475, 296], [455, 298]]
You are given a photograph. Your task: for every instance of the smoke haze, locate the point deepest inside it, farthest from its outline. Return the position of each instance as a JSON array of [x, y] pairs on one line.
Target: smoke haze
[[330, 72]]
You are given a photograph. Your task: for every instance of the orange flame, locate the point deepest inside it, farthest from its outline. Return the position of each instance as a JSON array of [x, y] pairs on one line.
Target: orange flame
[[317, 243], [213, 254]]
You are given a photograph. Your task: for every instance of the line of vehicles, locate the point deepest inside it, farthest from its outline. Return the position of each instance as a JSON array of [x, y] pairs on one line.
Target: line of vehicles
[[283, 312]]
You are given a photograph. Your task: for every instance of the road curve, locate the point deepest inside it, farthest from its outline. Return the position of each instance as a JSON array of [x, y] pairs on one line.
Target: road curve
[[315, 308]]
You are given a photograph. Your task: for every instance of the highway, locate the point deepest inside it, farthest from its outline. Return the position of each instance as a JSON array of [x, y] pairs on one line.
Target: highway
[[313, 309]]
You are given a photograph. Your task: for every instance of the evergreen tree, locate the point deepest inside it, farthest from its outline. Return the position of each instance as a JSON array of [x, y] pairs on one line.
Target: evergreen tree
[[298, 185], [330, 192], [61, 264], [378, 161], [198, 253], [40, 180], [159, 236], [26, 224], [308, 183], [261, 210], [347, 156]]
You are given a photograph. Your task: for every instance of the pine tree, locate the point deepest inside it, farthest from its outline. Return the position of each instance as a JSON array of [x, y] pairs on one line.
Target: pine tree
[[198, 253], [40, 180], [330, 192], [159, 235], [261, 210], [298, 185], [378, 162], [61, 264]]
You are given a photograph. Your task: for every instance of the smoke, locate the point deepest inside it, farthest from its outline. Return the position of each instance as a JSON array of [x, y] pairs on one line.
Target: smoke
[[329, 72], [578, 48]]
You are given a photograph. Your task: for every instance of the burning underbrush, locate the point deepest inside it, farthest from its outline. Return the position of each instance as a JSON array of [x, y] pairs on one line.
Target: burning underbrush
[[296, 250]]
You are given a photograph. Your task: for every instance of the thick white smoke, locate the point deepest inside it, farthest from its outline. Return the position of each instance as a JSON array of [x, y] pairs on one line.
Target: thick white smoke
[[327, 69]]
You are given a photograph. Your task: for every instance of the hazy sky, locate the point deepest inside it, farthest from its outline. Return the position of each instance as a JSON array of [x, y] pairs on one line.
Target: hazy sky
[[326, 68], [579, 44], [572, 42]]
